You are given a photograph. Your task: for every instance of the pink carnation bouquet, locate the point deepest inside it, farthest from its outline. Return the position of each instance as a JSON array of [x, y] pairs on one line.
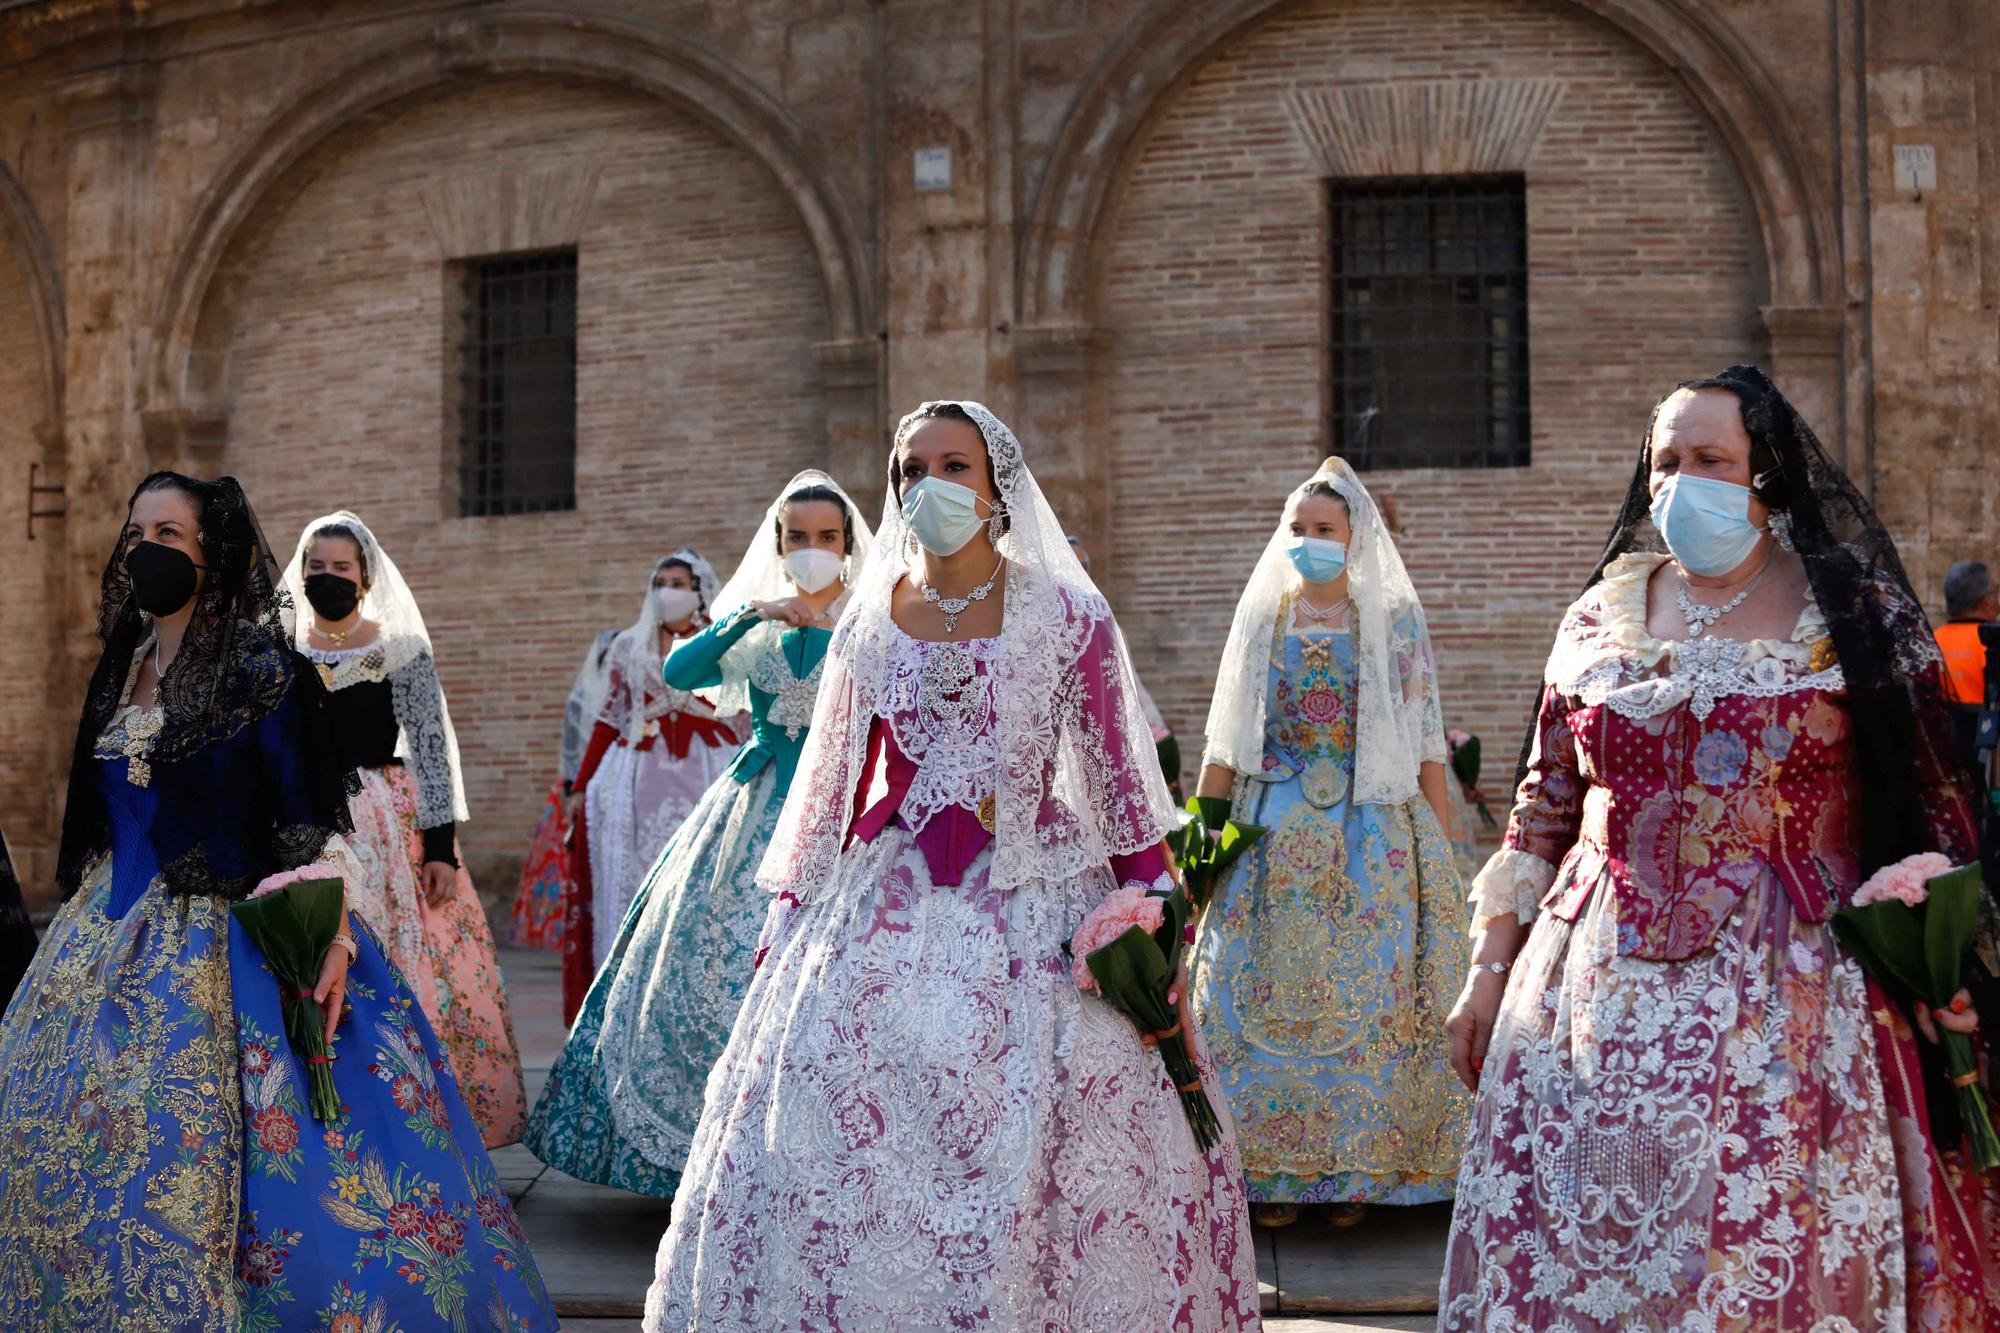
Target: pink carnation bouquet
[[1910, 926], [1127, 952], [292, 918]]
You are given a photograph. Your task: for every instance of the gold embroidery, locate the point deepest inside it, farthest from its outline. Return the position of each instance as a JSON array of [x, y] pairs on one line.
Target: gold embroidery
[[986, 815], [1824, 658], [135, 1138], [131, 734]]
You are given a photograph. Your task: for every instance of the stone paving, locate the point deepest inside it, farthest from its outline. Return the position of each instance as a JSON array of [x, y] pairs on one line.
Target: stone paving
[[595, 1245]]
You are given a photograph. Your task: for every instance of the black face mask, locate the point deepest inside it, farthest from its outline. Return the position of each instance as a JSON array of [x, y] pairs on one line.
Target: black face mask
[[163, 577], [332, 596]]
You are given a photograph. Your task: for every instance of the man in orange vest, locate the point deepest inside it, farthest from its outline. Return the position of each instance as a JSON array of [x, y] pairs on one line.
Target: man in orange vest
[[1968, 603]]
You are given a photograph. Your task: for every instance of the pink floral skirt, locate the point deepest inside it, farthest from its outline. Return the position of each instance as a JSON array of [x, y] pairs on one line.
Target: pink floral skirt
[[1728, 1141], [921, 1123], [445, 952]]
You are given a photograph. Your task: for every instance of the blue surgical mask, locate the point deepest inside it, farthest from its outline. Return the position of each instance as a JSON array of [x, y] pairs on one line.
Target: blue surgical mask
[[1317, 559], [1705, 523], [943, 514]]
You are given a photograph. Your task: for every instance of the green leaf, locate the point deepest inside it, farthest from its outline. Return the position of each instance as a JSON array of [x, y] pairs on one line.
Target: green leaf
[[1132, 975], [1951, 919], [1893, 937], [1236, 840], [1212, 810]]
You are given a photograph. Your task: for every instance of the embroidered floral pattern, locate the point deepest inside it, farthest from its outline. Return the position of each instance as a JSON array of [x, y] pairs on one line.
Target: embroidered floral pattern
[[995, 1148], [1323, 972], [408, 1227], [444, 951], [1683, 1121]]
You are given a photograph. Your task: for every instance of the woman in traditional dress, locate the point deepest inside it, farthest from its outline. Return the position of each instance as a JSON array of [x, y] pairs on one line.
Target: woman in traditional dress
[[1694, 1111], [536, 919], [623, 1099], [160, 1168], [920, 1121], [653, 751], [1323, 970], [390, 724]]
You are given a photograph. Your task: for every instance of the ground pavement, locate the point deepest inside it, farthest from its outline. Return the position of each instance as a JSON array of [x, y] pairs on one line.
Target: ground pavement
[[595, 1245]]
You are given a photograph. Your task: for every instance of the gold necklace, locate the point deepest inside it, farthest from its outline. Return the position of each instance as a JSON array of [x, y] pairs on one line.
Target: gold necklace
[[336, 637]]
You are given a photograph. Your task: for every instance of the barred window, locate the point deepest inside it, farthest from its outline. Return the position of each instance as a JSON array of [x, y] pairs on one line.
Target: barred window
[[517, 384], [1429, 356]]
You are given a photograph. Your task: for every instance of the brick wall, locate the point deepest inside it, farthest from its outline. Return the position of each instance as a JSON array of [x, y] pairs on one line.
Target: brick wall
[[26, 625], [1642, 272], [699, 302], [703, 301], [1935, 286]]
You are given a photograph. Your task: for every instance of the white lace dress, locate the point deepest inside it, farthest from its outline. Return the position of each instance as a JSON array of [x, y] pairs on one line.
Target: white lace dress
[[919, 1121]]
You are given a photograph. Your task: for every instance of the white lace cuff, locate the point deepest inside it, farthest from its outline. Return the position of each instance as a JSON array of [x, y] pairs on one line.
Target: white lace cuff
[[1510, 881]]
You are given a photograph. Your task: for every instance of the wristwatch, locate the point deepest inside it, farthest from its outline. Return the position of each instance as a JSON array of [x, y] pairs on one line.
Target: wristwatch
[[346, 941]]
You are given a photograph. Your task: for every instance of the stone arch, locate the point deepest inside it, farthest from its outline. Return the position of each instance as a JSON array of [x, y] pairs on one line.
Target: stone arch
[[186, 368], [22, 233], [1166, 46]]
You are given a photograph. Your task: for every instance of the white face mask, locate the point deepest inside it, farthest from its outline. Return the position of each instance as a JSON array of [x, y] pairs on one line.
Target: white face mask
[[676, 604], [813, 568]]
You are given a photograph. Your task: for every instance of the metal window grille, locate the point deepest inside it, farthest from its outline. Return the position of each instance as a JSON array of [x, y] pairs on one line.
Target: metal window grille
[[1430, 322], [517, 384]]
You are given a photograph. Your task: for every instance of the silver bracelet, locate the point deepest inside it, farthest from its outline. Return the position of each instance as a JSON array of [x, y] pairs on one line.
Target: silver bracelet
[[1498, 969]]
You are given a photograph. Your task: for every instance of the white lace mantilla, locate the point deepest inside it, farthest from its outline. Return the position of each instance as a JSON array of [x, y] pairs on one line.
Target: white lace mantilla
[[1617, 663], [938, 702]]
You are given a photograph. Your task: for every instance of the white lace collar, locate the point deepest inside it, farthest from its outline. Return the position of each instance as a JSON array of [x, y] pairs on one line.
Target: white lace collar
[[1604, 653]]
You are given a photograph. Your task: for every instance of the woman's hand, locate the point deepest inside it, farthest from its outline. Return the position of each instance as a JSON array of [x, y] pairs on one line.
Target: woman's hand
[[1177, 996], [331, 992], [1960, 1017], [440, 878], [790, 610], [1470, 1026]]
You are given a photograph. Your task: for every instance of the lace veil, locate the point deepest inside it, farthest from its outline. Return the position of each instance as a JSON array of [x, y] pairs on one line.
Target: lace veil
[[1069, 727], [1400, 724], [760, 577], [235, 668], [1887, 654], [633, 663], [578, 719], [428, 746]]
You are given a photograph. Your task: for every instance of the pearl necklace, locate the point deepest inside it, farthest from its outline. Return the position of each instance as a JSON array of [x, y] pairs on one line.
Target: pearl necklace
[[1700, 618], [954, 607], [1319, 617]]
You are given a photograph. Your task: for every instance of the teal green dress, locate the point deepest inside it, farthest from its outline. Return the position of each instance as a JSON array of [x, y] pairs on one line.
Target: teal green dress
[[625, 1095]]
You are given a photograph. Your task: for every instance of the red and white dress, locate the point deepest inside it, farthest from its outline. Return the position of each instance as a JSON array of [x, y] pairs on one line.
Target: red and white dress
[[1696, 1112]]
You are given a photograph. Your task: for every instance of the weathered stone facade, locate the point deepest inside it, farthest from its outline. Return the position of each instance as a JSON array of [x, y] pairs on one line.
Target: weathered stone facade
[[228, 225]]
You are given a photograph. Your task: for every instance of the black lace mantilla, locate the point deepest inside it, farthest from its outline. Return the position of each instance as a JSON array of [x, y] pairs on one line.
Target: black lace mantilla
[[233, 807], [1902, 728]]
